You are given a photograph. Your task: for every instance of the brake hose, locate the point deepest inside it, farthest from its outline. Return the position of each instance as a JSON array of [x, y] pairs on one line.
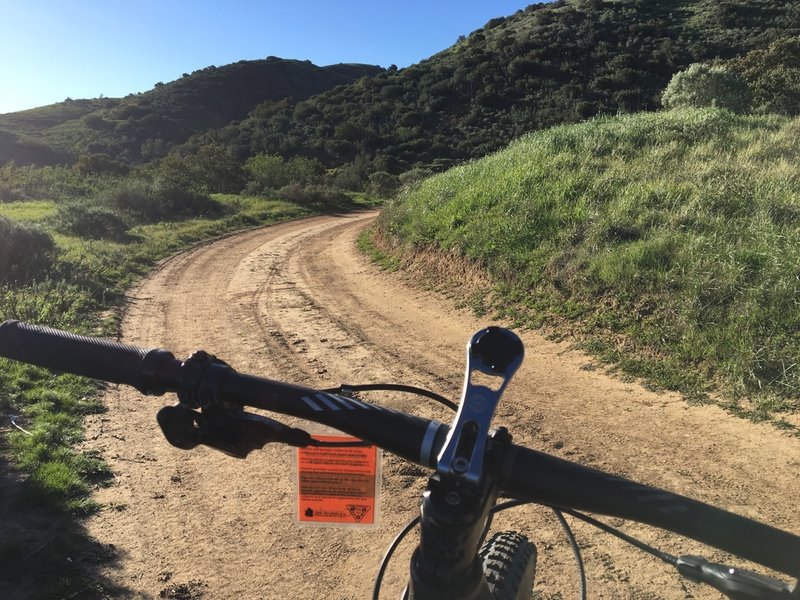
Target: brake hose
[[733, 582], [347, 390]]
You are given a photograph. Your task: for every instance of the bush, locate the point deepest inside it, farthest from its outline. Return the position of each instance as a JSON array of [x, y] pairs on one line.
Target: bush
[[383, 184], [312, 196], [93, 222], [208, 169], [705, 86], [305, 170], [349, 177], [161, 201], [267, 172], [50, 183], [25, 253], [271, 172], [10, 194], [413, 178], [774, 76], [89, 164]]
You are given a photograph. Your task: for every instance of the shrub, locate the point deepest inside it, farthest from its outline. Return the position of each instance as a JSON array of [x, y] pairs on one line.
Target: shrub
[[10, 194], [93, 222], [25, 253], [100, 163], [312, 196], [39, 183], [705, 86], [267, 172], [270, 172], [161, 201], [207, 169], [413, 178], [349, 177], [774, 76], [383, 184], [304, 170]]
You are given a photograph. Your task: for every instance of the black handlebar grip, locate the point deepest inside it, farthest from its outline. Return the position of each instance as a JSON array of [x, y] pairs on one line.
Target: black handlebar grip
[[98, 358]]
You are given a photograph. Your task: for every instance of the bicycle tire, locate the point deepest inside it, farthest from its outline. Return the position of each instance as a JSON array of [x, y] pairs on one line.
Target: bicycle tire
[[509, 564]]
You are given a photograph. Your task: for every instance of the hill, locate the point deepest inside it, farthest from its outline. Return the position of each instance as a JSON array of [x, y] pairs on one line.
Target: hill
[[671, 238], [146, 126], [548, 64]]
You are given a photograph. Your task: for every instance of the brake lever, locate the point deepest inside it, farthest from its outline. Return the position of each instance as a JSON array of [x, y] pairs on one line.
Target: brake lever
[[493, 351], [234, 433]]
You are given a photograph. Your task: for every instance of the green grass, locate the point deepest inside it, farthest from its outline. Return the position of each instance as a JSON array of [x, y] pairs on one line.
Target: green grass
[[367, 245], [676, 232], [34, 211], [90, 277]]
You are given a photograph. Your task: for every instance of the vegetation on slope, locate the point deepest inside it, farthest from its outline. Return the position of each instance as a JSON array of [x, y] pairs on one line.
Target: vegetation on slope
[[676, 236], [549, 64], [144, 127]]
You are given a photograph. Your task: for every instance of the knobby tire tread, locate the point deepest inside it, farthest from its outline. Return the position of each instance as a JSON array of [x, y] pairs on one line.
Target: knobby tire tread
[[509, 563]]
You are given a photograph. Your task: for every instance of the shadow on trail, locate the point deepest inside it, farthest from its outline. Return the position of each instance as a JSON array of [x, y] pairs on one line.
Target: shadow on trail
[[46, 552]]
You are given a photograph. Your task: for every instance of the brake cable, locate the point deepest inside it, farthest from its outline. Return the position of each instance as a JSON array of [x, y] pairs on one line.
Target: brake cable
[[666, 557], [347, 390], [733, 582]]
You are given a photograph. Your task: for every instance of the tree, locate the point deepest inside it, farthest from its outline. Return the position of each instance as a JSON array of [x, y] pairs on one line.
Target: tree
[[209, 169], [216, 170], [774, 76], [267, 171], [304, 170], [383, 184], [703, 85]]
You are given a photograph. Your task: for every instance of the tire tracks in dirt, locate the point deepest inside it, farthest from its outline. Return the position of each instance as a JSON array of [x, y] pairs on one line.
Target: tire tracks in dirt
[[297, 302]]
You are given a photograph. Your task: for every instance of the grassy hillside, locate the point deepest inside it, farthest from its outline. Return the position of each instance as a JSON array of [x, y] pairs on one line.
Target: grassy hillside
[[672, 238]]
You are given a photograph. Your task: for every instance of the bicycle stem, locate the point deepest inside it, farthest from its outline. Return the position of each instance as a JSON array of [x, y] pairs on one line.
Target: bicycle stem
[[493, 351], [457, 502]]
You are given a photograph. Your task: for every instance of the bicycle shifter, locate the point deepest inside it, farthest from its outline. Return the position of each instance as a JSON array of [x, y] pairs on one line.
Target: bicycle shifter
[[493, 351]]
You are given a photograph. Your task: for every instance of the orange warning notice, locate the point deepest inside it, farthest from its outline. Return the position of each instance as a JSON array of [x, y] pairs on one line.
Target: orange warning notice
[[337, 485]]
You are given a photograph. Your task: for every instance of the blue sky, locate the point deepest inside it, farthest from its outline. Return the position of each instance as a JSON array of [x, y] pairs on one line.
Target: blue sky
[[51, 50]]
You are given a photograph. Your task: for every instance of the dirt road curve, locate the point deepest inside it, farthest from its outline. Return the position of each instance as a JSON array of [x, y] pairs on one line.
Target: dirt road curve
[[298, 302]]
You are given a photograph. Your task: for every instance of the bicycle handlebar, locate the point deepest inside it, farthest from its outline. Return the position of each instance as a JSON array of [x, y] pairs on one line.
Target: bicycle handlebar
[[98, 358], [526, 473]]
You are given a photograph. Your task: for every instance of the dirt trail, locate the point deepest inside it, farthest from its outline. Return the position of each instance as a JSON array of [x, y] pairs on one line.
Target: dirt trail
[[298, 302]]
